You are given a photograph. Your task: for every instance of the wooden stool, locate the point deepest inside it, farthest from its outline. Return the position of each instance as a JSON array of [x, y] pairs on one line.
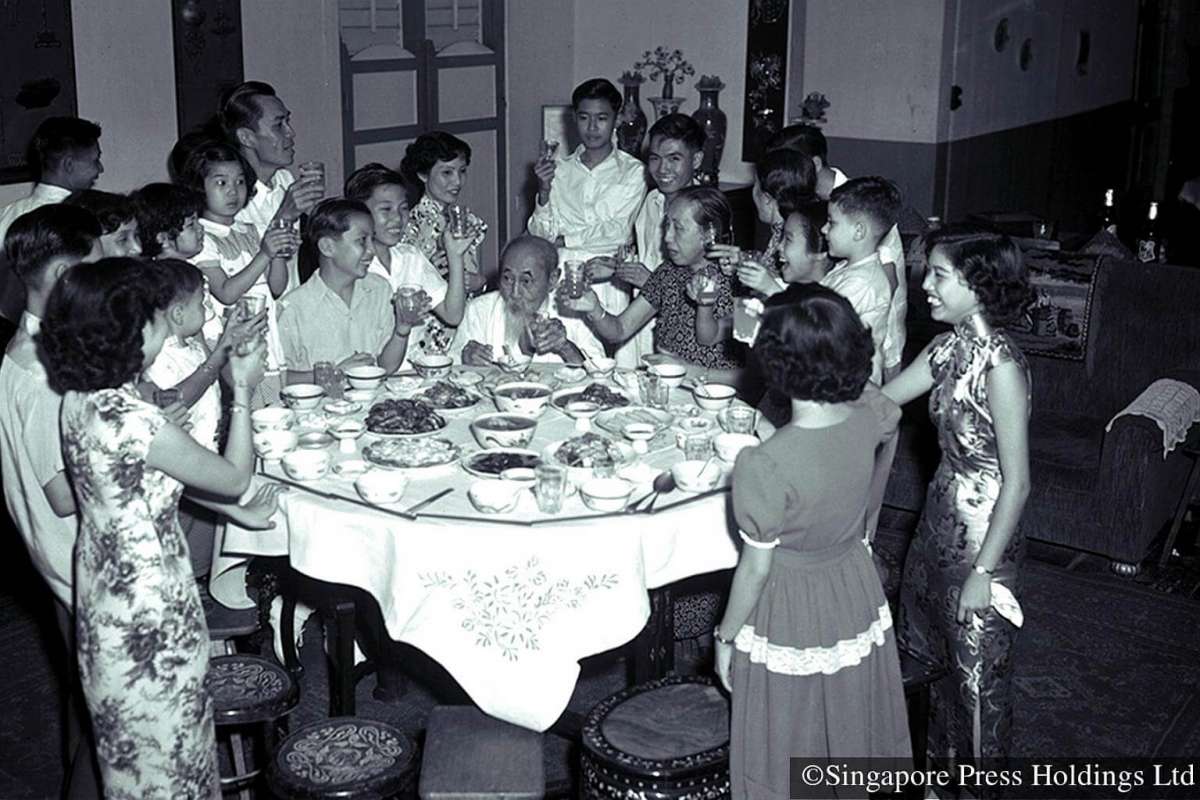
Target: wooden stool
[[667, 739], [249, 691], [345, 758], [471, 755]]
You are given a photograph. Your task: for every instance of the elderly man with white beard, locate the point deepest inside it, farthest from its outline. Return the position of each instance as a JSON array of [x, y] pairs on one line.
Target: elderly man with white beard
[[520, 320]]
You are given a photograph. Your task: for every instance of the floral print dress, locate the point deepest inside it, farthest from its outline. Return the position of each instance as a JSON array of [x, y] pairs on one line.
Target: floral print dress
[[142, 638], [971, 711]]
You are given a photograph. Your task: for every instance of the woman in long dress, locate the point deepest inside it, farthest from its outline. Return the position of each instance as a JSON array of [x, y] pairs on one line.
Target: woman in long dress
[[142, 638], [966, 555], [806, 644]]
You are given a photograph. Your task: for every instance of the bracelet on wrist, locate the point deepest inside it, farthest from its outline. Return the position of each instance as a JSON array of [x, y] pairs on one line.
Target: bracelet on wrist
[[719, 638], [597, 315], [979, 570]]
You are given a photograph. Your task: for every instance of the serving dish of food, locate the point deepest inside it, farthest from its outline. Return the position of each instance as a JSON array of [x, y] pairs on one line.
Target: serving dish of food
[[490, 463], [589, 450], [614, 420], [401, 417], [447, 396], [604, 396], [411, 453]]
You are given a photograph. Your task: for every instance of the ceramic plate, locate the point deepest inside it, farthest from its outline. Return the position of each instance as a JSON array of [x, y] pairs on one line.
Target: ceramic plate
[[490, 463], [614, 420], [563, 396], [411, 453]]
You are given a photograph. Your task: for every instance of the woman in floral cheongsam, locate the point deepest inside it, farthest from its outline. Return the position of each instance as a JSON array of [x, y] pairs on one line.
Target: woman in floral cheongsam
[[439, 162], [966, 556], [142, 639]]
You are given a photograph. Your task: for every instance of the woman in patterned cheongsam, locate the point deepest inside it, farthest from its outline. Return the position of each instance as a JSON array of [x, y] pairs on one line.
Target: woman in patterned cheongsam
[[142, 639], [438, 162], [967, 549]]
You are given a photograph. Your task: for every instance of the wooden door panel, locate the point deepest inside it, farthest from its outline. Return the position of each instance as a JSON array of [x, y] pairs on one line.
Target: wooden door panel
[[385, 99], [466, 93], [387, 153], [480, 192]]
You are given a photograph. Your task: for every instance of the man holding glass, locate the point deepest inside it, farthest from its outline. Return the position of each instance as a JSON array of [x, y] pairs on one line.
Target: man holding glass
[[254, 117], [586, 201], [519, 321]]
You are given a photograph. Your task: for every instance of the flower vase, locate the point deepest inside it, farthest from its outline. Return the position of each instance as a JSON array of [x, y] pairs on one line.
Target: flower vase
[[665, 105], [632, 125], [713, 122]]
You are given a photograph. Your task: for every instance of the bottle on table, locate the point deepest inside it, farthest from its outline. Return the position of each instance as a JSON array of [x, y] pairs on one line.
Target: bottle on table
[[1150, 245], [1108, 213]]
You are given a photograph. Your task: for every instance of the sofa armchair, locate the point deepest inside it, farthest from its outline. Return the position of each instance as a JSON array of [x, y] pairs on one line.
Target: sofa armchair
[[1103, 492]]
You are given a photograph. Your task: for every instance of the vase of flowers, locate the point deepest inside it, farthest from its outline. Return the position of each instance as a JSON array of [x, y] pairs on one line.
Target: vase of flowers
[[672, 68], [631, 126], [713, 121]]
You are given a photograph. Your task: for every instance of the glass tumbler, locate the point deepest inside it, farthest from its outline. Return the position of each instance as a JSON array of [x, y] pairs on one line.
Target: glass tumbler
[[550, 487], [697, 447], [740, 419]]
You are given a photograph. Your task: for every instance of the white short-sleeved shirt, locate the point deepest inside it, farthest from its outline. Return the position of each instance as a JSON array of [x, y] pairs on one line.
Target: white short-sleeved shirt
[[409, 266], [865, 285], [262, 207], [177, 360], [31, 456], [12, 291], [484, 321], [232, 248], [315, 324]]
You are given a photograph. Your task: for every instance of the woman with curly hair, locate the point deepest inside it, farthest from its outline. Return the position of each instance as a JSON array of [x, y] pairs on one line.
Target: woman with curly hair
[[437, 162], [965, 559], [806, 644], [142, 640]]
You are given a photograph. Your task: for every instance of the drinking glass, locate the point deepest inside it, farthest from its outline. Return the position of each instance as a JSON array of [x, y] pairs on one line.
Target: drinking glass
[[334, 389], [250, 305], [697, 447], [408, 298], [166, 397], [626, 253], [708, 289], [281, 224], [458, 220], [548, 150], [655, 391], [740, 419], [746, 319], [323, 374], [550, 487], [576, 278], [313, 171]]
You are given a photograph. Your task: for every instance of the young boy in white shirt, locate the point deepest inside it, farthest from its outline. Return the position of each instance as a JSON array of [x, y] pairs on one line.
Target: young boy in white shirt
[[861, 211], [119, 235], [169, 221], [389, 197]]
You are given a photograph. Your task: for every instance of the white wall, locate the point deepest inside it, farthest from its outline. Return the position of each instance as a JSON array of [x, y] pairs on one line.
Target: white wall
[[125, 77], [878, 64], [539, 72], [611, 35], [298, 54]]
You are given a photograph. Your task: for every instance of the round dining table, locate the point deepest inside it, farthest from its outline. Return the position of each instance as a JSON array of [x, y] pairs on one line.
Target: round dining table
[[507, 603]]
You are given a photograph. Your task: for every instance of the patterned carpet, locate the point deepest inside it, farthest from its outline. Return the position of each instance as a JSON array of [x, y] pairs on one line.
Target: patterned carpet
[[1105, 666]]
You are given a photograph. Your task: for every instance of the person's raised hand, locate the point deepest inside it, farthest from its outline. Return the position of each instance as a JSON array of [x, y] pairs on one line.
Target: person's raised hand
[[278, 243], [238, 330], [247, 370], [755, 276], [549, 336], [634, 273], [457, 246], [581, 306], [477, 354], [410, 315], [544, 169], [600, 268], [695, 290], [300, 198]]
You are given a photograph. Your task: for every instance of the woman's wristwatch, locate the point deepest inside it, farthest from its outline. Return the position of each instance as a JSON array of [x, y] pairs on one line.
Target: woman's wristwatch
[[982, 570], [719, 638]]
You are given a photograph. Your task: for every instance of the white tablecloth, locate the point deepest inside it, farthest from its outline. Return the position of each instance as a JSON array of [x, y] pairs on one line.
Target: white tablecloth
[[508, 610]]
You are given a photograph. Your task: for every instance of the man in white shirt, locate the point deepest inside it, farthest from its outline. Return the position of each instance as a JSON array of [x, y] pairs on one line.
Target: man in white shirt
[[586, 202], [521, 319], [67, 153], [41, 246], [254, 117]]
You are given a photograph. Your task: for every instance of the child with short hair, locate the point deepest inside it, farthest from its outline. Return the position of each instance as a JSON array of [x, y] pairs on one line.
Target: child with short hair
[[236, 258], [169, 221], [118, 221], [861, 211], [185, 362], [389, 196], [344, 313], [806, 645]]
